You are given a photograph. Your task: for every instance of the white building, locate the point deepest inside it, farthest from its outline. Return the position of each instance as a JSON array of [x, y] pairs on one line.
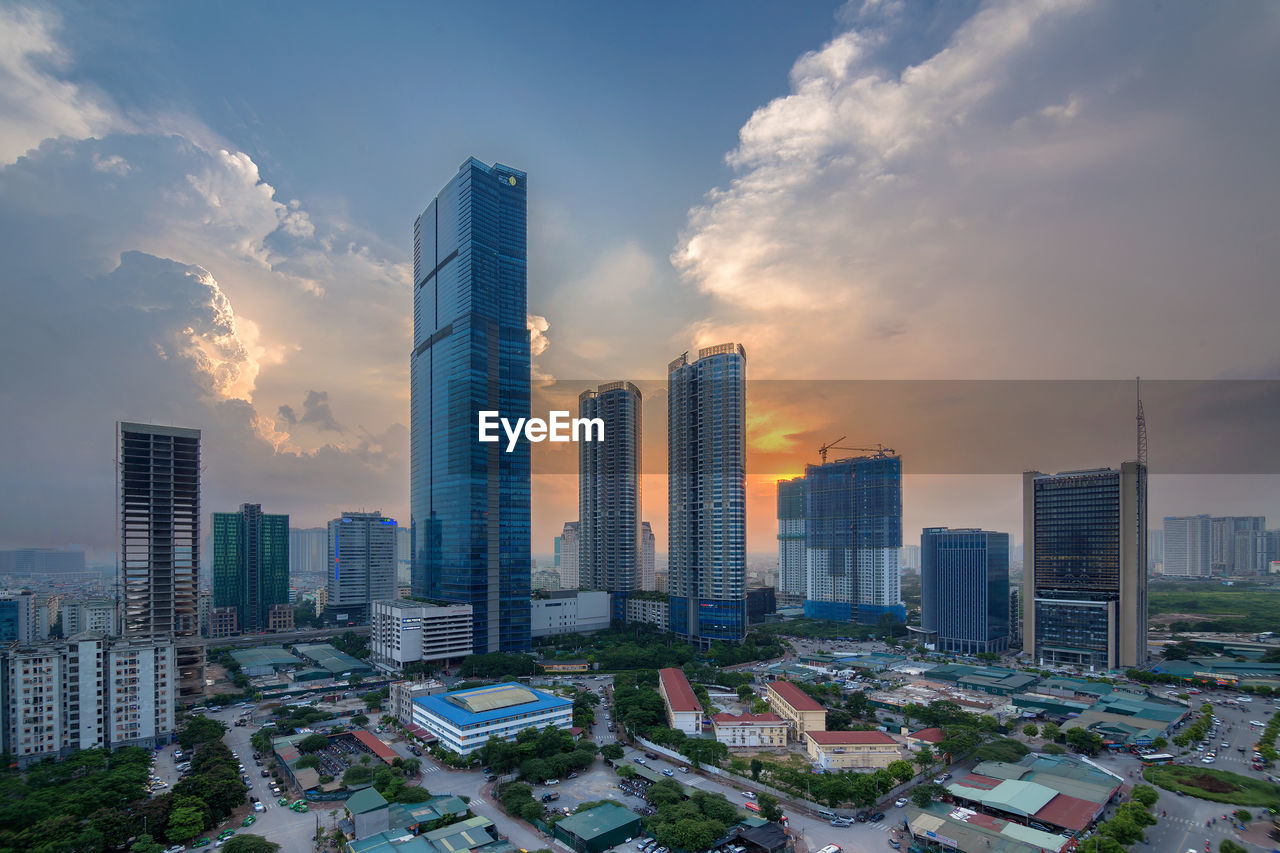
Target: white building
[[544, 579], [1188, 544], [743, 731], [96, 615], [85, 692], [569, 611], [400, 702], [683, 710], [570, 575], [465, 719], [405, 631], [648, 611]]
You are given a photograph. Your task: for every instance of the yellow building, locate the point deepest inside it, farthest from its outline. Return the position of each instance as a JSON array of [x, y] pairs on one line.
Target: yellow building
[[750, 731], [801, 713], [852, 750]]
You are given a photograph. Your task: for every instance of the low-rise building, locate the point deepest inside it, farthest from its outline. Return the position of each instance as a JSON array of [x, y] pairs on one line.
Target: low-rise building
[[569, 611], [852, 750], [929, 737], [404, 631], [280, 618], [1061, 793], [801, 712], [400, 702], [598, 829], [683, 711], [464, 720], [648, 611], [223, 622], [750, 731]]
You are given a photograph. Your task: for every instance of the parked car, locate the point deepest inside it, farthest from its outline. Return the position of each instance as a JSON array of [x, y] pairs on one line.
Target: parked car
[[684, 769], [900, 802], [668, 772], [877, 817], [638, 760], [652, 756], [415, 750], [572, 776]]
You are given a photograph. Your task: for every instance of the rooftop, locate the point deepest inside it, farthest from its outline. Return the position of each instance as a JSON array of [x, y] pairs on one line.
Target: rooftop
[[746, 719], [594, 822], [365, 800], [794, 696], [839, 738], [929, 735], [327, 657], [678, 691], [456, 712]]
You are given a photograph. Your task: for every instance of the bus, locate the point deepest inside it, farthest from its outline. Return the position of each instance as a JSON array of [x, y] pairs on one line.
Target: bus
[[1157, 758], [752, 807]]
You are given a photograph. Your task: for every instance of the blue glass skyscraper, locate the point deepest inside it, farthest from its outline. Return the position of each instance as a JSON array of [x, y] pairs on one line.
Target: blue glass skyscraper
[[707, 495], [469, 501], [964, 589]]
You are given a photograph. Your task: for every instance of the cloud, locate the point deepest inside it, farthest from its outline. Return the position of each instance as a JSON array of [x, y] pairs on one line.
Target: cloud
[[1047, 174], [316, 411], [35, 103]]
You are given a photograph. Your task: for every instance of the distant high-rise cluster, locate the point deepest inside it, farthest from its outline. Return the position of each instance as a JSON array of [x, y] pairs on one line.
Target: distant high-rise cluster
[[1201, 546], [706, 494], [308, 550]]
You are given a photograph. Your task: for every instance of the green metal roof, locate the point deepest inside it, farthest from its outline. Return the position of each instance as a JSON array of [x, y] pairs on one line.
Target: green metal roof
[[594, 822], [367, 800], [1011, 795]]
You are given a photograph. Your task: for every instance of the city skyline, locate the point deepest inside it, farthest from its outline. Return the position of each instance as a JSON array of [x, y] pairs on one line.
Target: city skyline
[[780, 178]]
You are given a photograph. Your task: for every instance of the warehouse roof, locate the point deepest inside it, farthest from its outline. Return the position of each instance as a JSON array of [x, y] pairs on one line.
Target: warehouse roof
[[597, 821]]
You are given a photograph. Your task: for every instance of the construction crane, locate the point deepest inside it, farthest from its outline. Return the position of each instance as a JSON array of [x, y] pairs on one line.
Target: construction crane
[[879, 449]]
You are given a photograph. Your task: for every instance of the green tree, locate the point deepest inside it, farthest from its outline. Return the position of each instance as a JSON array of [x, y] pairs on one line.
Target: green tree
[[1100, 844], [249, 844], [1050, 731], [664, 793], [355, 679], [1242, 815], [146, 844], [1145, 794], [769, 809], [691, 834], [1229, 846], [1030, 730], [411, 766], [612, 751], [1159, 743], [1053, 749], [756, 766], [200, 730], [313, 743], [308, 761], [924, 758], [1084, 741], [184, 824], [901, 770], [360, 720], [413, 794], [357, 775], [922, 795]]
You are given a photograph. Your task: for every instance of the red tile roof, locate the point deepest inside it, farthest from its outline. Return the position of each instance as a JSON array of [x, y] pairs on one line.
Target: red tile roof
[[379, 748], [794, 696], [679, 693], [931, 735], [1068, 812], [746, 719], [836, 738]]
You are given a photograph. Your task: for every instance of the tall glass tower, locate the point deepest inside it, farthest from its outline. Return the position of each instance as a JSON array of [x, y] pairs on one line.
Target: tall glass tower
[[707, 494], [469, 501], [964, 583], [250, 564], [610, 544]]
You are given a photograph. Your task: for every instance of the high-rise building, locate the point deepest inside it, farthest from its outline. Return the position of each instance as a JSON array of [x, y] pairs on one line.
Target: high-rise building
[[1085, 567], [791, 539], [250, 564], [648, 557], [1015, 616], [1223, 547], [1188, 546], [706, 490], [159, 493], [609, 500], [1155, 548], [404, 632], [470, 500], [909, 557], [1251, 552], [97, 615], [853, 539], [19, 622], [41, 562], [964, 589], [570, 576], [362, 565], [308, 550]]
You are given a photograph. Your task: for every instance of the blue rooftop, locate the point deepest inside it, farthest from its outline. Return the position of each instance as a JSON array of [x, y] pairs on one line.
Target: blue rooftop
[[494, 702]]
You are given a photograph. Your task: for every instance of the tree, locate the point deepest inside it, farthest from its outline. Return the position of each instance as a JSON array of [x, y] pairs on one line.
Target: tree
[[1050, 731], [1084, 741], [691, 834], [357, 775], [308, 761], [901, 770], [413, 794], [200, 730], [355, 679], [612, 751], [411, 766], [756, 766], [1053, 749], [769, 809], [313, 743], [360, 720], [664, 793], [249, 844], [184, 824], [924, 758], [922, 795], [1145, 794], [146, 844], [1159, 743], [1030, 730], [1243, 815], [1229, 846], [1100, 844]]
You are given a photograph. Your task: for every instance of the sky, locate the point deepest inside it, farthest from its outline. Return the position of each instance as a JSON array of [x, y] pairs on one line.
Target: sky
[[923, 221]]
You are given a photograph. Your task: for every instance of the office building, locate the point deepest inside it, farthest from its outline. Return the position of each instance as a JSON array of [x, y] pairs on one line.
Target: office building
[[402, 694], [649, 611], [97, 615], [609, 494], [1223, 550], [223, 622], [19, 622], [1251, 552], [964, 593], [684, 713], [1188, 546], [83, 693], [362, 565], [853, 539], [405, 632], [250, 564], [1155, 548], [41, 562], [1015, 617], [762, 602], [648, 558], [280, 618], [570, 576], [571, 611], [706, 489], [464, 720], [159, 493], [1085, 567], [204, 607], [791, 540], [308, 550], [909, 557], [470, 500]]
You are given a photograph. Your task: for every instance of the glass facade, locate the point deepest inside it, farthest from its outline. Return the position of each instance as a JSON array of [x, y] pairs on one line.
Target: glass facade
[[964, 578], [706, 490], [469, 501], [250, 564]]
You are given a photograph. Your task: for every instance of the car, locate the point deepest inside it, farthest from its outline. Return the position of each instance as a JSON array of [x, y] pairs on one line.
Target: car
[[177, 848], [415, 750], [877, 817], [862, 817], [1225, 745], [939, 780], [1256, 723], [652, 756], [895, 844], [668, 772], [226, 833], [259, 807], [282, 802], [901, 801], [200, 842], [552, 782], [572, 776], [749, 795], [838, 822], [248, 821], [638, 760], [684, 769], [491, 777]]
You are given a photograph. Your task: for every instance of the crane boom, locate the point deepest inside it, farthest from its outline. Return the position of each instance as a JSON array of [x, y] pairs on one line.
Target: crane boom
[[878, 449]]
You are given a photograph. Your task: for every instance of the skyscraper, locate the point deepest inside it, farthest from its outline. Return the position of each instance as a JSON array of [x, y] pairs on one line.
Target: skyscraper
[[250, 564], [1085, 566], [964, 589], [1188, 546], [159, 493], [706, 489], [791, 539], [648, 559], [570, 576], [362, 565], [308, 550], [1223, 547], [609, 504], [469, 501]]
